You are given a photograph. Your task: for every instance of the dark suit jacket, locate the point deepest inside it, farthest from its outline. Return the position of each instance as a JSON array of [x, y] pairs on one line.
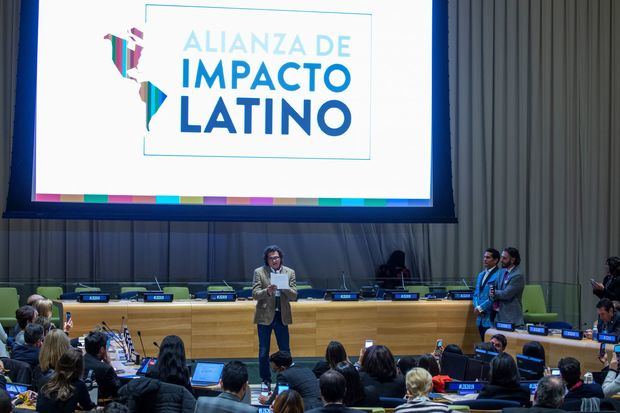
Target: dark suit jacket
[[612, 288], [104, 375], [333, 408], [393, 388], [613, 327], [534, 409], [27, 354], [516, 394], [223, 403], [304, 382]]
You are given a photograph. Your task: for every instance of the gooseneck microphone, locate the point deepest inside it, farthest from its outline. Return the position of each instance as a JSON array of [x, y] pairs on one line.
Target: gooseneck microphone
[[112, 333], [344, 282], [155, 344], [142, 344]]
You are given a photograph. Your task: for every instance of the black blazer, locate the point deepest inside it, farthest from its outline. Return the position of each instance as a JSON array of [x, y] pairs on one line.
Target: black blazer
[[393, 388], [304, 382], [612, 288], [517, 394], [104, 375]]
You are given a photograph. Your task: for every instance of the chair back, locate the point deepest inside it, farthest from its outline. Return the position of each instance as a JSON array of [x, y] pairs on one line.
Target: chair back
[[132, 289], [533, 300], [51, 292], [9, 303], [454, 365], [87, 289], [180, 293]]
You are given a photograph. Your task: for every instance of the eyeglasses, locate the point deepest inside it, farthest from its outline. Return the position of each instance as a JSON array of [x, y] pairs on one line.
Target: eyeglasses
[[274, 258]]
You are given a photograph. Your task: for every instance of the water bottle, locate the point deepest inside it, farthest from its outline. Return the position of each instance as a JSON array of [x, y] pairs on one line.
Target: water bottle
[[595, 330], [587, 378]]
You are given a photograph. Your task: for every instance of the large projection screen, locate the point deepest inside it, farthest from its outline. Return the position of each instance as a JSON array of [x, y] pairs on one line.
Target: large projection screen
[[276, 110]]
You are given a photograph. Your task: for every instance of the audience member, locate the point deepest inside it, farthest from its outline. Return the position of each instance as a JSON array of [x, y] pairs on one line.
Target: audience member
[[55, 345], [429, 363], [33, 298], [548, 398], [33, 340], [5, 402], [97, 363], [235, 384], [392, 274], [611, 385], [608, 318], [116, 407], [334, 354], [171, 364], [333, 387], [65, 392], [453, 348], [289, 401], [404, 364], [24, 315], [419, 384], [570, 370], [504, 381], [44, 307], [301, 379], [610, 287], [536, 350], [499, 342], [378, 370], [356, 395]]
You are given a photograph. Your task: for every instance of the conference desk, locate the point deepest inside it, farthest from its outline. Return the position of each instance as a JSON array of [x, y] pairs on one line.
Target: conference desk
[[556, 347], [226, 330]]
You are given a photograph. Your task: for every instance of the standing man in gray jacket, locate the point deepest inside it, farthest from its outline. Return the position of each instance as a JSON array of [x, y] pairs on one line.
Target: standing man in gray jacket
[[273, 308], [509, 289]]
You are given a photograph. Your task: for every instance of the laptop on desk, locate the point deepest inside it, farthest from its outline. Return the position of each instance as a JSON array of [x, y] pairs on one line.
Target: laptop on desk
[[206, 373]]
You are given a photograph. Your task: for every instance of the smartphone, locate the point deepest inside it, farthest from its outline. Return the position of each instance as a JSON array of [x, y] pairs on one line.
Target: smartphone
[[555, 372], [282, 387], [368, 343], [439, 344], [601, 350], [592, 281], [617, 350], [264, 390], [67, 316]]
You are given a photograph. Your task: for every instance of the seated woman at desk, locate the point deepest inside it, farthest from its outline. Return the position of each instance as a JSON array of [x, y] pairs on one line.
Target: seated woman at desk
[[504, 381]]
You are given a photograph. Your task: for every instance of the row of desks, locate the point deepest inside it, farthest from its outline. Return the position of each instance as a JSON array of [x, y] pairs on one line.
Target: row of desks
[[226, 330]]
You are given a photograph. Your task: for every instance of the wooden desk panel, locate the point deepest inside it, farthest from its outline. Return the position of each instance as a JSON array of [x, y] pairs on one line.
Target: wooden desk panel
[[226, 330], [556, 347]]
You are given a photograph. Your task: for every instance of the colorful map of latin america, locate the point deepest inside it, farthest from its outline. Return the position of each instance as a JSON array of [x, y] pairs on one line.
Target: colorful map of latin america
[[126, 54]]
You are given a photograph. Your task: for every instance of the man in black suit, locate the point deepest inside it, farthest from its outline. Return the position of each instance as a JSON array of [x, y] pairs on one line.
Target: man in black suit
[[548, 398], [333, 387], [97, 365], [300, 379]]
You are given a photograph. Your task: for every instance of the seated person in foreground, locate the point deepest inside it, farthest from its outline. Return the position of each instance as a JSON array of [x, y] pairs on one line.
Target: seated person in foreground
[[98, 365], [378, 370], [33, 340], [65, 392], [333, 388], [235, 384], [171, 364], [611, 385], [356, 395], [55, 345], [289, 401], [504, 382], [429, 363], [536, 350], [419, 384], [548, 398], [570, 370], [406, 363], [301, 379], [334, 354]]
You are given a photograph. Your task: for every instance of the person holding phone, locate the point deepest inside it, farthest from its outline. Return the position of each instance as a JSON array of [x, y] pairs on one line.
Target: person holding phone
[[273, 308], [483, 304], [608, 319], [509, 289], [610, 287], [611, 385]]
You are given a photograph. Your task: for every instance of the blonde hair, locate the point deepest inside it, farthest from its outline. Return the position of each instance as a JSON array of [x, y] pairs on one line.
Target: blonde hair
[[55, 345], [44, 307], [419, 382]]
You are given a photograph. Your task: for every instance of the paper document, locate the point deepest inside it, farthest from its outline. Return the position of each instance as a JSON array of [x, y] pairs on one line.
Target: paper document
[[280, 281]]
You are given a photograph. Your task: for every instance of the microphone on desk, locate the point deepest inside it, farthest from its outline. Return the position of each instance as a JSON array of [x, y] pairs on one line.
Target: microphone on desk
[[226, 284], [112, 333], [157, 282], [155, 344], [465, 282], [344, 281], [142, 344]]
